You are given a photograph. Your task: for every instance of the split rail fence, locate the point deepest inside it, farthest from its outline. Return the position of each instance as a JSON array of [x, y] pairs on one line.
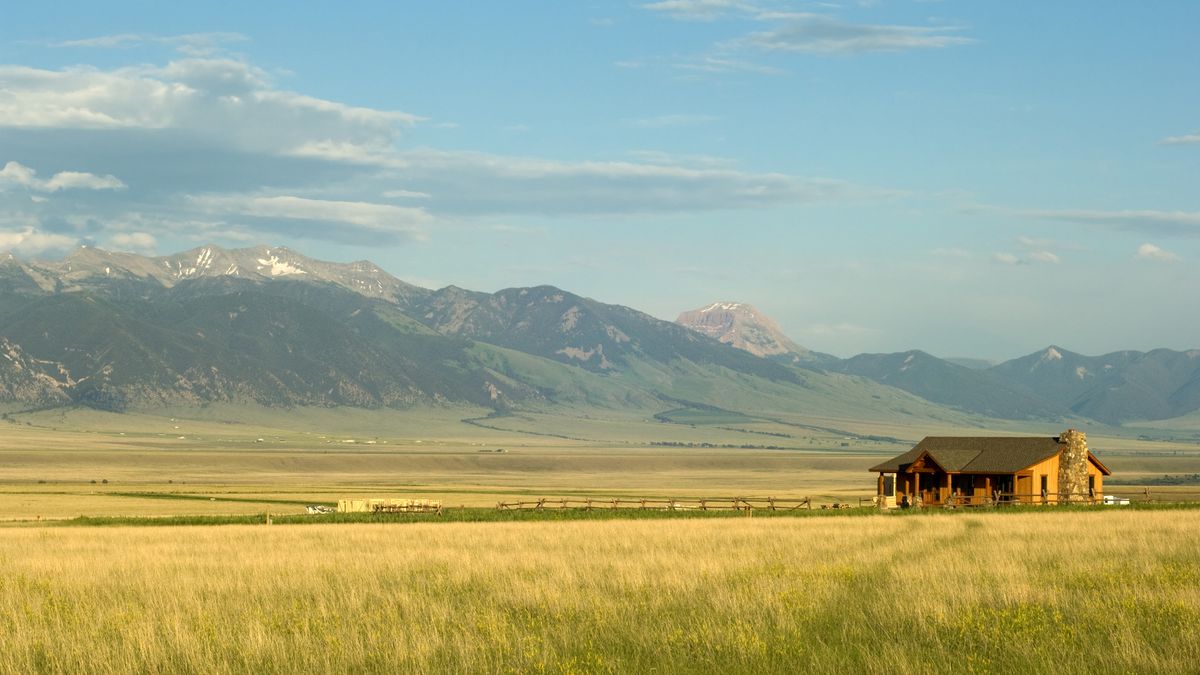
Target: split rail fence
[[748, 504]]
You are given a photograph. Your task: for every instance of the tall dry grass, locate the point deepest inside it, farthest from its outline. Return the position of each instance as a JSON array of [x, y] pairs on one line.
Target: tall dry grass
[[1038, 592]]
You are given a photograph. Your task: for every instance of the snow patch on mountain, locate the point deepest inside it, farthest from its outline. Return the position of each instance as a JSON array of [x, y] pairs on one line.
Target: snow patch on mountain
[[277, 267]]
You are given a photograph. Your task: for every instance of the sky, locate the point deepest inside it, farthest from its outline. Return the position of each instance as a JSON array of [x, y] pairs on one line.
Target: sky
[[968, 178]]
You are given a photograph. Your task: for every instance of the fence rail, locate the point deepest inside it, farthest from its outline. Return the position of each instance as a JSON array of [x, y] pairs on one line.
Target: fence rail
[[748, 504], [1011, 498], [435, 508]]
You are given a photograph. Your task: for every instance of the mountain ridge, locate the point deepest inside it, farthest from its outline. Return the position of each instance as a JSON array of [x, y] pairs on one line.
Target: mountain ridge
[[270, 325]]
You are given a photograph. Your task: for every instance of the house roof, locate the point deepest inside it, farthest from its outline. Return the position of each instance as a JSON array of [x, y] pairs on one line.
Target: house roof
[[981, 454]]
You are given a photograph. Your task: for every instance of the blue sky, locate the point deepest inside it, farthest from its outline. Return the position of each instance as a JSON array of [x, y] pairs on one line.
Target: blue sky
[[968, 178]]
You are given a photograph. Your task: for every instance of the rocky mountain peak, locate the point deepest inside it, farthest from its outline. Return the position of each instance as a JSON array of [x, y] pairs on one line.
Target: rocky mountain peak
[[740, 325]]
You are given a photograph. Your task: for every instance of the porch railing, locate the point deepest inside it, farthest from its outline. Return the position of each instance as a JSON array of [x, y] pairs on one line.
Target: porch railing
[[1010, 498]]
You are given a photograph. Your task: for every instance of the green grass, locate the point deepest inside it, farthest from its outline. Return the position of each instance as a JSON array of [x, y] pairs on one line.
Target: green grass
[[492, 515]]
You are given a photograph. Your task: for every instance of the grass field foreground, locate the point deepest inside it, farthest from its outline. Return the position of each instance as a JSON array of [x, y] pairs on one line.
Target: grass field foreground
[[1067, 592]]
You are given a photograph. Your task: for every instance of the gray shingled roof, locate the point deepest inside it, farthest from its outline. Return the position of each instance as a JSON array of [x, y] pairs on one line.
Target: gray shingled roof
[[978, 454]]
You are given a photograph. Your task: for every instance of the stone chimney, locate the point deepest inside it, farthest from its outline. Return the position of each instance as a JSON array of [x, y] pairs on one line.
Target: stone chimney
[[1073, 466]]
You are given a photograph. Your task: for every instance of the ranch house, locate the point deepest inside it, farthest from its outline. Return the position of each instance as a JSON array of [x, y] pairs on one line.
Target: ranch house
[[966, 470]]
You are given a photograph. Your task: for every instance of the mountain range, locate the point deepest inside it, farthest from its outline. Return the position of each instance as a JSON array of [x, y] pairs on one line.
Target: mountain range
[[1054, 382], [270, 326]]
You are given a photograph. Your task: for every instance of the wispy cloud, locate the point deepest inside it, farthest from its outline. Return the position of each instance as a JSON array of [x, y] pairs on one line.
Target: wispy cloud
[[405, 194], [396, 222], [698, 10], [473, 182], [673, 120], [690, 67], [791, 32], [723, 64], [1181, 140], [15, 174], [1175, 223], [212, 147], [823, 34], [193, 44], [1031, 251], [1154, 253], [1045, 257]]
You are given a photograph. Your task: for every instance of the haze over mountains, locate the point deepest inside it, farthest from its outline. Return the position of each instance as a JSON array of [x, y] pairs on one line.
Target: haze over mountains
[[273, 327], [1054, 382]]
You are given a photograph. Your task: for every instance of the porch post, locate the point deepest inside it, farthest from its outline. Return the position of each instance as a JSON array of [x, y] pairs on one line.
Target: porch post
[[916, 487], [949, 491]]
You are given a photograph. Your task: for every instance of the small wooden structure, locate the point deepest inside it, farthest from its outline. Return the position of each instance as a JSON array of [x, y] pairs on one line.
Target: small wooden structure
[[977, 471]]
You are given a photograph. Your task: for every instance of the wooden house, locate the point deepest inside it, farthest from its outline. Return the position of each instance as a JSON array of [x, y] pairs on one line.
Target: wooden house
[[967, 470]]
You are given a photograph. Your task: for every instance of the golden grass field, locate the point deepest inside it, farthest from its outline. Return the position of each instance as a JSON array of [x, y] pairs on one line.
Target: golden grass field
[[1068, 591], [1065, 592], [55, 464]]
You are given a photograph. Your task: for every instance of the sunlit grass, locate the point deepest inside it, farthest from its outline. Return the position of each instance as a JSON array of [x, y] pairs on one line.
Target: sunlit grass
[[1068, 592]]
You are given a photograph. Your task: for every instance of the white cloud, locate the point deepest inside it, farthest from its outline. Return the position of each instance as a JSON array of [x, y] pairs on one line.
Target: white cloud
[[1181, 140], [31, 241], [722, 64], [477, 182], [134, 242], [17, 174], [1154, 253], [698, 10], [396, 221], [222, 101], [821, 34], [1045, 257], [1006, 259], [196, 44], [211, 147], [1147, 220], [405, 194]]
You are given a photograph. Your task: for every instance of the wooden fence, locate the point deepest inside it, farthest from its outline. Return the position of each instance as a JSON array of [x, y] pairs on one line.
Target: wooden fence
[[747, 504], [1013, 498]]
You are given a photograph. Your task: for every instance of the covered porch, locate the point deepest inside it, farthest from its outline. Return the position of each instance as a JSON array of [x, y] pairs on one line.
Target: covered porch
[[932, 486]]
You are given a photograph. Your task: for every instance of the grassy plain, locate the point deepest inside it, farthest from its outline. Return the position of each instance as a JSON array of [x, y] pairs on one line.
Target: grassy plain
[[1063, 590], [225, 461], [1067, 592]]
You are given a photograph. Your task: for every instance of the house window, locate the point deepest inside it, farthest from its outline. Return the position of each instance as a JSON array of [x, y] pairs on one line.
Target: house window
[[1092, 486], [1045, 486], [889, 485]]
